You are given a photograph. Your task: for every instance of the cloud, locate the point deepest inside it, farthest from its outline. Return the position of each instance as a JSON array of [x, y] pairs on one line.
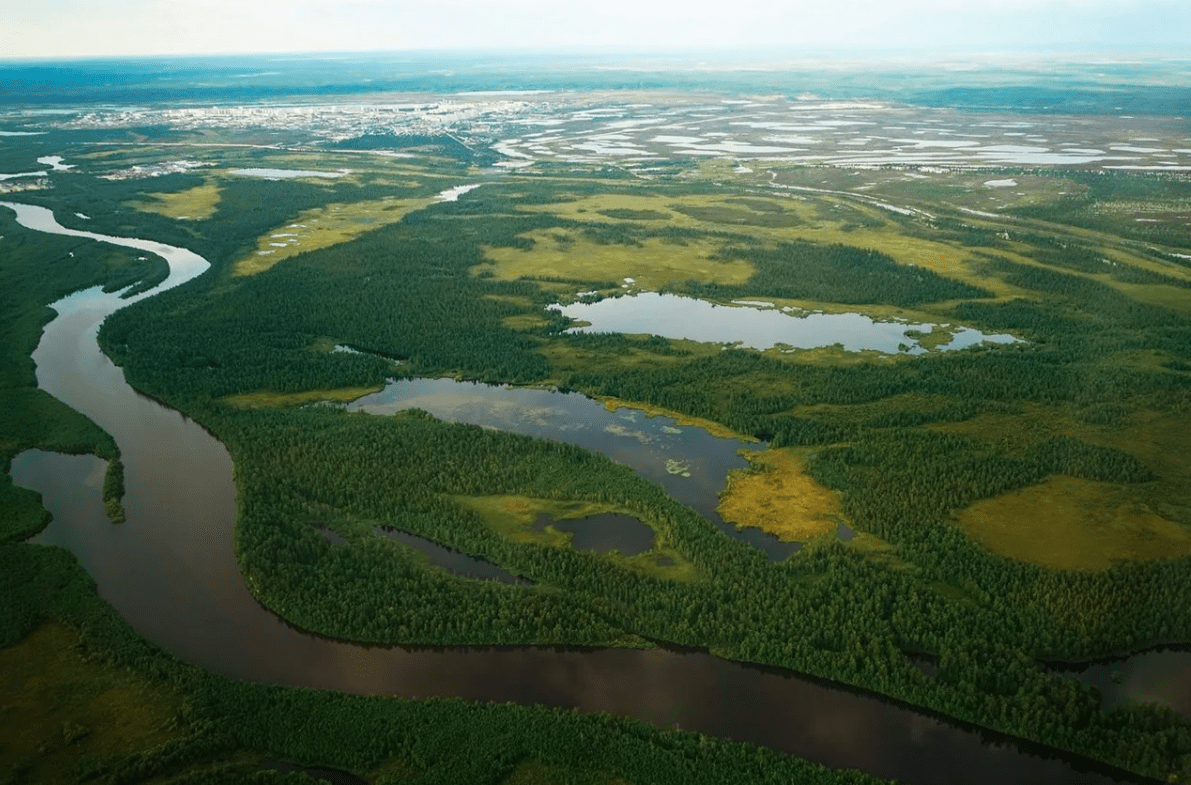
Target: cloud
[[73, 27]]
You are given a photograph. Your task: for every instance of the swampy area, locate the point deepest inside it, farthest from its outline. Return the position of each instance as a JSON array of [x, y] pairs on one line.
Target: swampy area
[[520, 459]]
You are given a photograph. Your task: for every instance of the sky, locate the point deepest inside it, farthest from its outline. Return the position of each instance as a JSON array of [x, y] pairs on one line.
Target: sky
[[83, 28]]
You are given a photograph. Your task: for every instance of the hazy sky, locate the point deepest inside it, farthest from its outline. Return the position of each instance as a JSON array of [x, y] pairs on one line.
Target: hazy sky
[[60, 28]]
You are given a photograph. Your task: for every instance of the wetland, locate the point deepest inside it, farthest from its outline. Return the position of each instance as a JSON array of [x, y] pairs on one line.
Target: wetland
[[659, 420], [163, 567], [756, 327]]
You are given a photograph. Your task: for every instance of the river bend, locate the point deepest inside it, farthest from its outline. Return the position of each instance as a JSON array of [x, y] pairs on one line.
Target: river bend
[[171, 572]]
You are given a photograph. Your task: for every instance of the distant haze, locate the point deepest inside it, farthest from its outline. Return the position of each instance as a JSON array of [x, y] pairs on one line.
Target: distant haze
[[76, 28]]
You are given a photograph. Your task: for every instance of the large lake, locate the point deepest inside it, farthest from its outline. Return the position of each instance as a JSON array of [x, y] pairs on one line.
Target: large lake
[[759, 325]]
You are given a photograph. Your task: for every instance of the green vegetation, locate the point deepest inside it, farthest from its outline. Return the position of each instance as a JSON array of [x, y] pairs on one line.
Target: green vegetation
[[906, 446], [776, 495], [591, 256], [29, 418], [323, 227], [84, 698], [513, 517], [87, 700], [1086, 525], [836, 273], [113, 490], [196, 204], [1110, 202]]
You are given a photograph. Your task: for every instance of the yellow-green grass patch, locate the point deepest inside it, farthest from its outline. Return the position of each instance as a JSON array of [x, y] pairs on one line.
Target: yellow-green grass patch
[[735, 215], [1110, 246], [1069, 523], [776, 495], [1172, 297], [323, 227], [878, 550], [1131, 516], [513, 517], [712, 427], [194, 204], [1127, 256], [57, 707], [563, 357], [524, 321], [665, 563], [832, 355], [267, 399], [1175, 297], [1159, 439], [941, 257], [856, 413], [562, 254]]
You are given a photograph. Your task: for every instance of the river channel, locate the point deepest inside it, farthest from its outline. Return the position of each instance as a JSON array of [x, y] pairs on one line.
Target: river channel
[[171, 572]]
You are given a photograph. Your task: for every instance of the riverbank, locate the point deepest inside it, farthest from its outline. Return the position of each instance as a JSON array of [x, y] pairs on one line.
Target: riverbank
[[142, 600]]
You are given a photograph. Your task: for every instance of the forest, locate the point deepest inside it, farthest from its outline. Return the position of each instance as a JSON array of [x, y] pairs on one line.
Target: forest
[[907, 442]]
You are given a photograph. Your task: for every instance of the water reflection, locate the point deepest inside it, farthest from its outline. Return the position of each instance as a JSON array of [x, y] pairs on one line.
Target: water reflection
[[170, 570], [1161, 676], [603, 533], [452, 561], [184, 264], [690, 463], [674, 316], [179, 585]]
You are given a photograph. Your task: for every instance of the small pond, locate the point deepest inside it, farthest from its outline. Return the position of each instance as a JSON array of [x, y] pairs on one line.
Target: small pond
[[453, 194], [452, 561], [1161, 675], [603, 533], [690, 463], [55, 163], [746, 324]]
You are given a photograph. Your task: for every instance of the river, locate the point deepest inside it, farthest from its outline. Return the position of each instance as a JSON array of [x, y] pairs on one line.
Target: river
[[171, 572]]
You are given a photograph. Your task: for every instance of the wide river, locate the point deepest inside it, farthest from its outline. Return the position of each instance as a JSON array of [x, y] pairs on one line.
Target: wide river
[[171, 572]]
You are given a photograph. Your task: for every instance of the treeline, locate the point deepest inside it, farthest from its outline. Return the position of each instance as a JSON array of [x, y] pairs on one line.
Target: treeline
[[313, 469], [225, 729], [1083, 317], [990, 622], [1072, 255], [248, 207], [406, 291], [905, 477], [758, 395], [403, 292], [1085, 205], [35, 270], [832, 273], [222, 720], [113, 490]]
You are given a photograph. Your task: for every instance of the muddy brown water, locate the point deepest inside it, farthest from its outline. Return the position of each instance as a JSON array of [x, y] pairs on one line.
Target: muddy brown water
[[171, 572]]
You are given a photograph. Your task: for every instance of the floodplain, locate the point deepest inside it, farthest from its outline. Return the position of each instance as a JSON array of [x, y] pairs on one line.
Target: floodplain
[[407, 355]]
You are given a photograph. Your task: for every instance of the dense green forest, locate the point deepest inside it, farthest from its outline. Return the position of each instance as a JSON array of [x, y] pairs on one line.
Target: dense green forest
[[408, 296], [223, 731], [28, 416]]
